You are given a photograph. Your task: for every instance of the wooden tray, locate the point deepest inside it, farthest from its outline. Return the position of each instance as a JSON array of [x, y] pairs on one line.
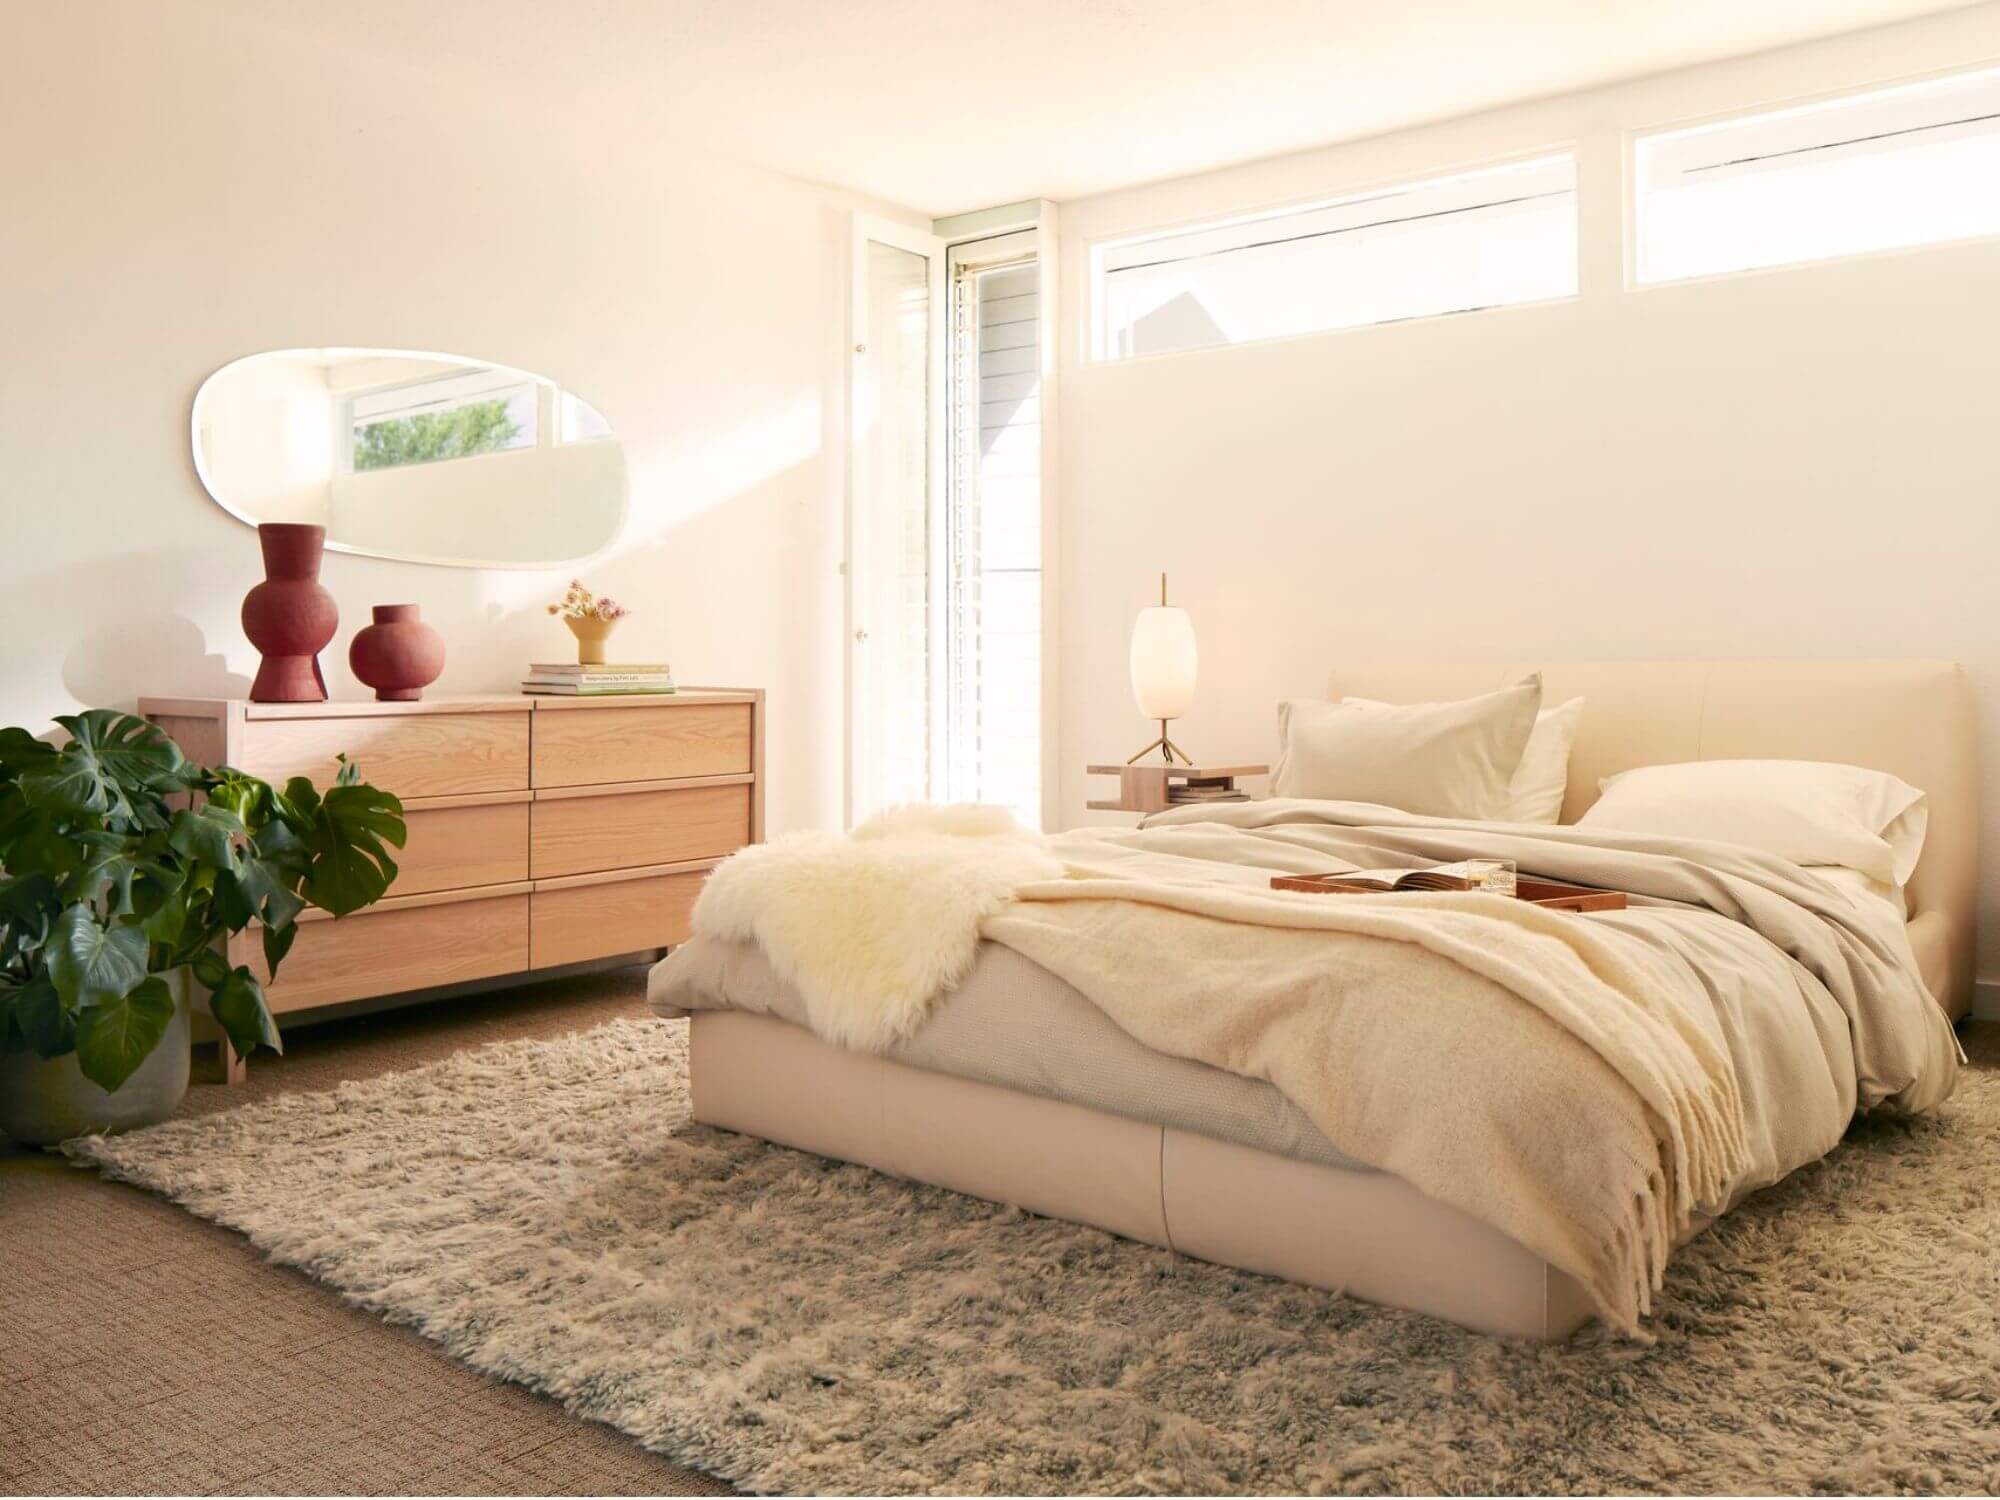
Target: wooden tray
[[1554, 894]]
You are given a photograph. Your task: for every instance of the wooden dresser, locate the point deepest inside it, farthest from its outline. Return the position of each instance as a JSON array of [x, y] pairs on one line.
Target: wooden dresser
[[542, 831]]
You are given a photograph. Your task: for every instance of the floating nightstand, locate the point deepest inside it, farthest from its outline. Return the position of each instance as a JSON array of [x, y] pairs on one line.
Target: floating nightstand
[[1155, 788]]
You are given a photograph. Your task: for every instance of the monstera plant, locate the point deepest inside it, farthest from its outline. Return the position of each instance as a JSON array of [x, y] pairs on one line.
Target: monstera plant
[[124, 866]]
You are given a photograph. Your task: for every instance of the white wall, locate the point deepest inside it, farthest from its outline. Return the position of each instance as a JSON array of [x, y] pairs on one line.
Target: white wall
[[1800, 462], [180, 189]]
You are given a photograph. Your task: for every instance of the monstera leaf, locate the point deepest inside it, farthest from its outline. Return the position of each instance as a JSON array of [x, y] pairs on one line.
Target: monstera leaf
[[104, 877], [207, 834], [90, 962], [239, 1005], [114, 1036], [42, 1019], [19, 750], [29, 906], [351, 865], [110, 756]]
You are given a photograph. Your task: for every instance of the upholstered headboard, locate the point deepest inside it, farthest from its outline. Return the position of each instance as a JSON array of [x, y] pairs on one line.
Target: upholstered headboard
[[1910, 718]]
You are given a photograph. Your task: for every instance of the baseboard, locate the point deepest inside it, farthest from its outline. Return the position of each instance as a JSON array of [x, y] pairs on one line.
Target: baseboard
[[1986, 1000]]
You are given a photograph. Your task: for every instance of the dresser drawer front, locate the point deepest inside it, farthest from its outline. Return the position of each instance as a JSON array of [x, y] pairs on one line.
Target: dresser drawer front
[[449, 847], [412, 755], [590, 746], [576, 835], [573, 923], [382, 952]]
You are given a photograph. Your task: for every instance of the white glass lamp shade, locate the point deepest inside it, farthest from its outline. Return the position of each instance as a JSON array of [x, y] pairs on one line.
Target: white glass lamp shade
[[1163, 662]]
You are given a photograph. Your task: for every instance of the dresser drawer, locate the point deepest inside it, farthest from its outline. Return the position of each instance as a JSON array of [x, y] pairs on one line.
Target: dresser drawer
[[389, 948], [412, 755], [481, 843], [597, 918], [591, 745], [617, 829]]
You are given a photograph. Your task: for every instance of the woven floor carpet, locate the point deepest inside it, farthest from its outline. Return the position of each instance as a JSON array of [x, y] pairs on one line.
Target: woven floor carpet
[[544, 1210]]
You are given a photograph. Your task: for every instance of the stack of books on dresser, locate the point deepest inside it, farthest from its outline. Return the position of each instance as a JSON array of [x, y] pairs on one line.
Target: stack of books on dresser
[[606, 680]]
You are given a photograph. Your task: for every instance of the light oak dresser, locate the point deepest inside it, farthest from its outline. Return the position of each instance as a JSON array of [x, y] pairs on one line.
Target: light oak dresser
[[542, 831]]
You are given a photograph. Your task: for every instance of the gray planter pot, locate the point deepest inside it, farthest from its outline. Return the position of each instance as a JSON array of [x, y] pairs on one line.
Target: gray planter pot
[[45, 1101]]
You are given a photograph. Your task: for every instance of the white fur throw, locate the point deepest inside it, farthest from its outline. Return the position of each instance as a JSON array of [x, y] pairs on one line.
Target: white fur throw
[[874, 928]]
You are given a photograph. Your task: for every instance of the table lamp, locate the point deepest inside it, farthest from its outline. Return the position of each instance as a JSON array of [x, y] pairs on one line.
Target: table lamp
[[1163, 671]]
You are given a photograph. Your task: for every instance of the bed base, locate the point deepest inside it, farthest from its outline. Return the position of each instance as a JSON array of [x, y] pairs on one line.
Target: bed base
[[1368, 1234]]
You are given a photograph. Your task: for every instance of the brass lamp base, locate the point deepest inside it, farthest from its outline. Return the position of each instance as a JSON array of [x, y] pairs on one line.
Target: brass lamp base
[[1167, 748]]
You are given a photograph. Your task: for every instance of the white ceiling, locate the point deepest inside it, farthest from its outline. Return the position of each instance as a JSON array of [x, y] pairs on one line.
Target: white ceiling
[[948, 105]]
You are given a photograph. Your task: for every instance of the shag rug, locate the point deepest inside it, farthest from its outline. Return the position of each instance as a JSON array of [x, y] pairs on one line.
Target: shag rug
[[546, 1212]]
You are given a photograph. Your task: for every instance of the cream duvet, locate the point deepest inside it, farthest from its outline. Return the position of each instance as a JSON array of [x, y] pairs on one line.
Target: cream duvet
[[1586, 1084]]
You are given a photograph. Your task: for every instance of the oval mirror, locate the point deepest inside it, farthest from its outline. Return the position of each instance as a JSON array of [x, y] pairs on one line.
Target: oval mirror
[[424, 457]]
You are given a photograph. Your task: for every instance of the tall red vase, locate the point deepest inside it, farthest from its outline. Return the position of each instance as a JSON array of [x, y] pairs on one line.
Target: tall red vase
[[399, 655], [289, 617]]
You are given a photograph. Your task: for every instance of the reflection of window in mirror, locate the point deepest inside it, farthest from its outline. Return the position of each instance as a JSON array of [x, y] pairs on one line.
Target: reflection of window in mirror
[[443, 416], [581, 421]]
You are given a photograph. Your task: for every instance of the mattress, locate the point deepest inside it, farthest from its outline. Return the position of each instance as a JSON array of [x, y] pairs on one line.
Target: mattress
[[1014, 1024]]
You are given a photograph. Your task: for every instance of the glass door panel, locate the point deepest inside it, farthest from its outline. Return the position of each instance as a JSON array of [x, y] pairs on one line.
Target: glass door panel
[[895, 531]]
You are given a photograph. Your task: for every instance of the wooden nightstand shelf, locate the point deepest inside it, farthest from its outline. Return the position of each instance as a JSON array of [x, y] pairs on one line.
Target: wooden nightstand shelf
[[1151, 788]]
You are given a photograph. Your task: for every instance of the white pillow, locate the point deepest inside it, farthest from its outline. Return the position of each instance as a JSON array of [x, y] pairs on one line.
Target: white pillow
[[1535, 795], [1447, 760], [1864, 892], [1810, 812]]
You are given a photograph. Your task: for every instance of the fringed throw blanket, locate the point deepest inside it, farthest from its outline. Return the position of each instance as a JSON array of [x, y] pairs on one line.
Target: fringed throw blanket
[[1586, 1085]]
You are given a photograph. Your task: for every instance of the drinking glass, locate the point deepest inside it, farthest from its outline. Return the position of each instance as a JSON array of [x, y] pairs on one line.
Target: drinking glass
[[1494, 876]]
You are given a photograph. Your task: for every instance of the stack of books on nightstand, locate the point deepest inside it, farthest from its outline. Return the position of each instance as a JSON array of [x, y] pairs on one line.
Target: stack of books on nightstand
[[571, 680], [1205, 789]]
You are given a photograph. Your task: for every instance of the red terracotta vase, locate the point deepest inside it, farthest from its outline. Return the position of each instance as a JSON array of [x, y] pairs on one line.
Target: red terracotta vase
[[289, 617], [399, 655]]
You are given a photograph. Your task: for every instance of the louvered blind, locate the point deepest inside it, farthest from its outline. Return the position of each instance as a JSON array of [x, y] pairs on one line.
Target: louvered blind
[[994, 549]]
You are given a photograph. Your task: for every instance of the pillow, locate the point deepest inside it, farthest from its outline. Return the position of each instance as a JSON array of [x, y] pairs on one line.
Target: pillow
[[1535, 795], [1810, 812], [1863, 892], [1448, 760]]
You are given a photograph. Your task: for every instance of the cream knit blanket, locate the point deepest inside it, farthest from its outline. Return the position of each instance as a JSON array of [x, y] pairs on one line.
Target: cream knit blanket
[[1537, 1078]]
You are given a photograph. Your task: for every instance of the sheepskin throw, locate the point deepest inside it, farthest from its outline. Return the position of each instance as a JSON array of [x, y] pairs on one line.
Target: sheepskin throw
[[875, 927]]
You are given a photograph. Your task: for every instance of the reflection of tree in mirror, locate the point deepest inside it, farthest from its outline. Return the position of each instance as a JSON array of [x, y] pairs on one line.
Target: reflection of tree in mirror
[[424, 437]]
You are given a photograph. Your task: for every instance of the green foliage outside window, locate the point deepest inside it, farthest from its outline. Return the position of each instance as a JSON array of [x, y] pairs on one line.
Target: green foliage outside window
[[425, 437]]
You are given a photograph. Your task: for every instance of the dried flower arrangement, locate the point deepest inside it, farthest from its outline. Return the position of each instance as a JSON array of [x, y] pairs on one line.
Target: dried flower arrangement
[[580, 604]]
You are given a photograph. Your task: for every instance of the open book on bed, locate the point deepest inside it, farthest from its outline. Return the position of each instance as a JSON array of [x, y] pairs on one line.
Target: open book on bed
[[1556, 894], [1451, 877]]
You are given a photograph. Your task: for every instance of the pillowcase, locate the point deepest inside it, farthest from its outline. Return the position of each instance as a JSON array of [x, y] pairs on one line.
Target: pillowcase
[[1810, 812], [1864, 892], [1535, 795], [1447, 760]]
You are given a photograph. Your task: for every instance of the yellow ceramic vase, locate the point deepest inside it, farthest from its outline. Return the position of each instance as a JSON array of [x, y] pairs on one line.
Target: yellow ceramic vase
[[590, 638]]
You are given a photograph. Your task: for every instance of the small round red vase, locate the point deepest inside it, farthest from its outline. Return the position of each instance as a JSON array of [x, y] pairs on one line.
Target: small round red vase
[[289, 617], [399, 655]]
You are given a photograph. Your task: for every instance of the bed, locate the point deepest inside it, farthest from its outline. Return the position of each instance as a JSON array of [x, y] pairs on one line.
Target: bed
[[1018, 1090]]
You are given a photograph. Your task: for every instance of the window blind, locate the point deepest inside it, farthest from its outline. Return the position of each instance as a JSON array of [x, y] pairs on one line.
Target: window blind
[[993, 609]]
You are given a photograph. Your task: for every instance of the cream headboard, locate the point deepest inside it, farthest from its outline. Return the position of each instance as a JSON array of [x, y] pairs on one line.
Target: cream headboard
[[1910, 718]]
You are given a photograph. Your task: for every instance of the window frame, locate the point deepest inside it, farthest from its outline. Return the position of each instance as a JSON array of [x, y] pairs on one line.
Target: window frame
[[478, 385], [1096, 330], [1632, 218]]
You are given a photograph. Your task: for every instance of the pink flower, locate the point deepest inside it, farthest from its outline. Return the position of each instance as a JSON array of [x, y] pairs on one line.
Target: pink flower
[[580, 604]]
